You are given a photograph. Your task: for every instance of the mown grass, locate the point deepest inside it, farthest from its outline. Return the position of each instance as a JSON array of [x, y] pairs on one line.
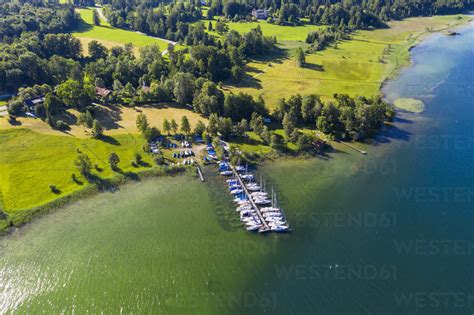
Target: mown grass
[[30, 162], [111, 36], [357, 66]]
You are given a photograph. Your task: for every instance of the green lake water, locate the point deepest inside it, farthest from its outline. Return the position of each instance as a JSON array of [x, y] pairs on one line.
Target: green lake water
[[387, 233]]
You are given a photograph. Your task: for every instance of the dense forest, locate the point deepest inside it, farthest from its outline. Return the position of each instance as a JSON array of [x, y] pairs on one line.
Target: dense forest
[[41, 19], [172, 21]]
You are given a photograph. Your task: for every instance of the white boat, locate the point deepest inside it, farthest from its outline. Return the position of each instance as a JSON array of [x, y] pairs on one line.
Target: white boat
[[271, 214], [269, 209], [252, 228], [232, 180], [261, 201], [279, 228], [259, 194], [240, 168], [236, 191], [226, 173], [253, 188], [273, 219], [246, 176]]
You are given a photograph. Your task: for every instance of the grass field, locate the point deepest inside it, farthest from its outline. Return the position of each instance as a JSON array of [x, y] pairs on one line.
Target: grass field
[[115, 119], [110, 36], [30, 162], [356, 67]]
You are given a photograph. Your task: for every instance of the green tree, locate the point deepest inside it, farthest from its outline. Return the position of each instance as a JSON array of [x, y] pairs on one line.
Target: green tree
[[95, 17], [86, 119], [83, 165], [199, 128], [288, 125], [97, 50], [183, 87], [142, 123], [300, 58], [185, 126], [52, 104], [166, 126], [174, 126], [97, 129], [114, 160]]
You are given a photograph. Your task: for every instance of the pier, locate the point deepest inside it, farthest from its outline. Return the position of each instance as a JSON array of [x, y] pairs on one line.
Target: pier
[[352, 147], [265, 227], [200, 173]]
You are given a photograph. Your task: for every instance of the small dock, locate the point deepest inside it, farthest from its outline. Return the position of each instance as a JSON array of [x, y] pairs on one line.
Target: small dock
[[198, 169], [265, 227], [352, 147]]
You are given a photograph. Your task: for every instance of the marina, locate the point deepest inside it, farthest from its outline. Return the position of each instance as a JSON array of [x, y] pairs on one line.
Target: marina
[[257, 212]]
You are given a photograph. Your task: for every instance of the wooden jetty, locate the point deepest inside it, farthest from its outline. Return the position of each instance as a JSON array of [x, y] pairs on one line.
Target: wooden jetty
[[265, 227], [352, 147], [200, 173]]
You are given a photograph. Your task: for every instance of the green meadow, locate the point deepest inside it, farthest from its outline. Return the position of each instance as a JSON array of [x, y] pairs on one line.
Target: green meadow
[[357, 66], [31, 161], [110, 36]]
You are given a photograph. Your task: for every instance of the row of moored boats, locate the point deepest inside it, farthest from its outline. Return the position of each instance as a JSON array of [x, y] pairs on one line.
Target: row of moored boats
[[258, 210]]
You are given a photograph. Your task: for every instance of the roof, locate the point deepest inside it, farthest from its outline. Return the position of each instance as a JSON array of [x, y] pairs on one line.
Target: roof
[[34, 101], [102, 92]]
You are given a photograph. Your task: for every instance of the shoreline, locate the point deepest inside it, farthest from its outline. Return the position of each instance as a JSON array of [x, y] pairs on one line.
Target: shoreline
[[420, 38], [28, 215]]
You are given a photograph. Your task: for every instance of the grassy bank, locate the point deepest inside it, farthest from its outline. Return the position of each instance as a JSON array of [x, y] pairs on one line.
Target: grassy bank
[[30, 162], [357, 67]]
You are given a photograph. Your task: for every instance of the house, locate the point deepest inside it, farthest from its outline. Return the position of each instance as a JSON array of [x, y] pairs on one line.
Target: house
[[260, 14], [102, 94], [146, 89], [33, 102]]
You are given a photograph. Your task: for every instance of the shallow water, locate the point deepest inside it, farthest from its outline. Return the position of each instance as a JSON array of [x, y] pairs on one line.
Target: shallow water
[[387, 233]]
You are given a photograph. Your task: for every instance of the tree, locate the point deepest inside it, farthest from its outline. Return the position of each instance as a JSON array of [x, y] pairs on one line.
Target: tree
[[75, 94], [199, 128], [114, 160], [185, 126], [52, 104], [95, 17], [183, 88], [83, 165], [288, 125], [166, 126], [97, 50], [221, 27], [97, 129], [86, 119], [300, 58], [174, 126], [142, 123], [304, 143]]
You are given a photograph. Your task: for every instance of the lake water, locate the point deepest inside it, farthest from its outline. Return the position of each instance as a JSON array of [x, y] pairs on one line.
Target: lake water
[[387, 233]]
